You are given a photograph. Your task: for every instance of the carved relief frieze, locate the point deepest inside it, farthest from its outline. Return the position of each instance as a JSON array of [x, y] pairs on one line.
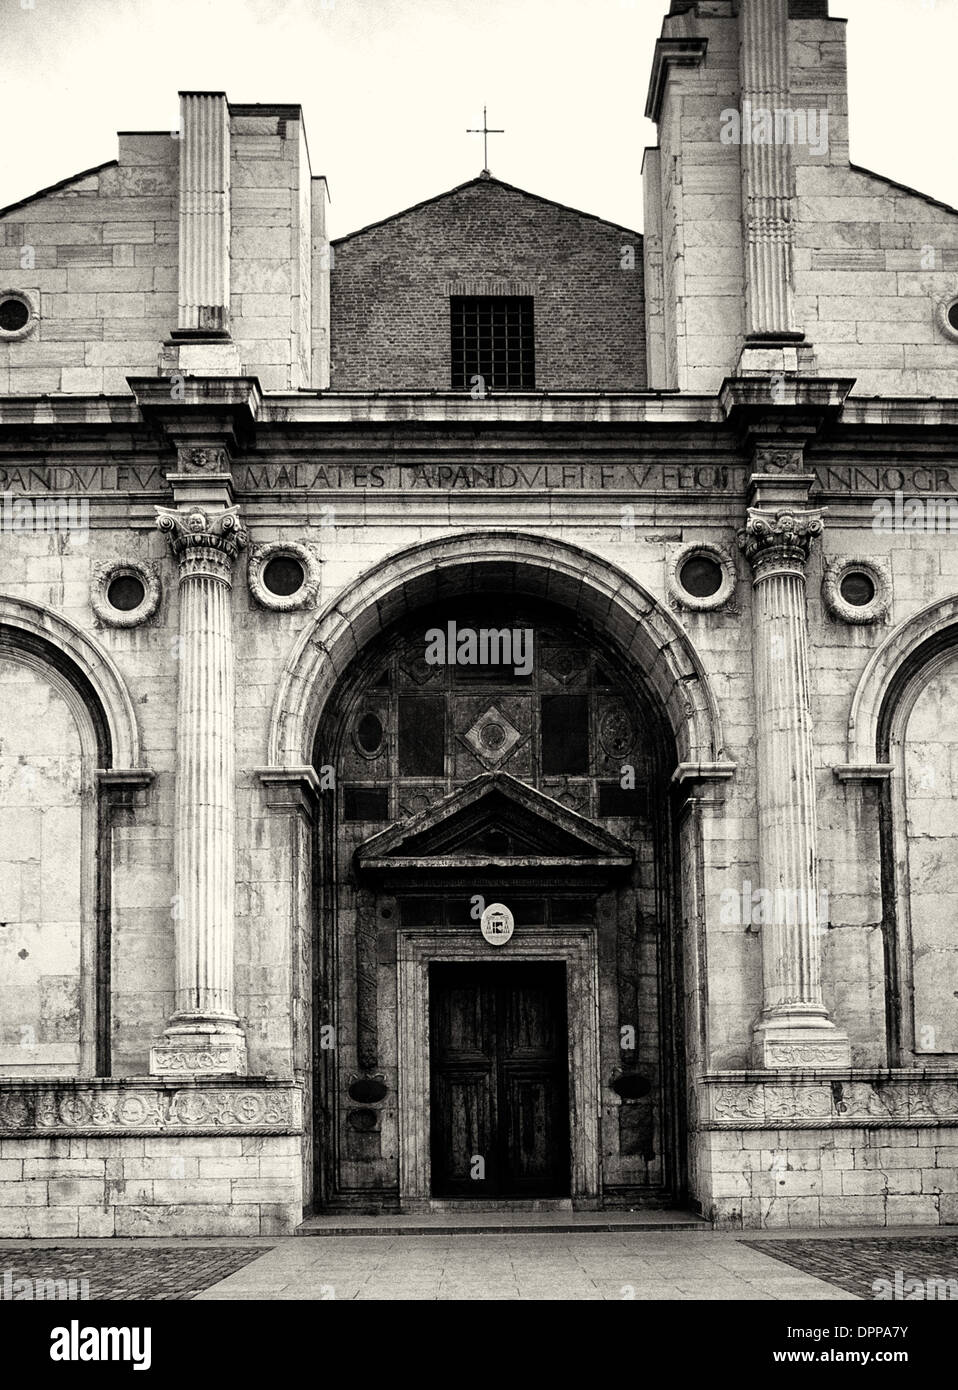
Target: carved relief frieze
[[898, 1102], [119, 1110]]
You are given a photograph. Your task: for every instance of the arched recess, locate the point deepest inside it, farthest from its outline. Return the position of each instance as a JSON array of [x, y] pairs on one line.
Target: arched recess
[[648, 636], [889, 728], [90, 668], [907, 649], [50, 651]]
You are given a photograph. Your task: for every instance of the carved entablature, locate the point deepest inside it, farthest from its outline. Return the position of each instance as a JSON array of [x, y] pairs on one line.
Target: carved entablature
[[205, 543], [779, 542]]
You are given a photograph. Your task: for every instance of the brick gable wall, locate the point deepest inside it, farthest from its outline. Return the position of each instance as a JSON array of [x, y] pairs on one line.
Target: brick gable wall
[[391, 286]]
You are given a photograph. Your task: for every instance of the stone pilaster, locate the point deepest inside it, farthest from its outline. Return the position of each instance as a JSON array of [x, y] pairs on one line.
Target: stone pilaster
[[766, 171], [203, 1034], [200, 343], [794, 1029], [204, 212]]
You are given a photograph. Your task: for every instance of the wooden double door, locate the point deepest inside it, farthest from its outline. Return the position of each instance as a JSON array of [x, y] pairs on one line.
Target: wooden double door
[[499, 1069]]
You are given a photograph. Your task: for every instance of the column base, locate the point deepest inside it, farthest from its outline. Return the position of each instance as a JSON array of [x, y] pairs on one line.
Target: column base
[[195, 1049], [799, 1043]]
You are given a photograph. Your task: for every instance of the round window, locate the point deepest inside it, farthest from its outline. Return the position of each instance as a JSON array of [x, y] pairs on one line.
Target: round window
[[953, 315], [857, 588], [701, 576], [14, 314], [284, 575], [369, 733], [126, 592]]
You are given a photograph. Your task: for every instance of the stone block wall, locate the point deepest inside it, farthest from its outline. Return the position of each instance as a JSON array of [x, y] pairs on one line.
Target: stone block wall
[[873, 263], [98, 257]]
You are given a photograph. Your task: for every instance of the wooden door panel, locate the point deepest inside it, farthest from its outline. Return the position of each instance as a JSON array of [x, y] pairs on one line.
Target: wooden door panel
[[499, 1062], [463, 1104], [534, 1137]]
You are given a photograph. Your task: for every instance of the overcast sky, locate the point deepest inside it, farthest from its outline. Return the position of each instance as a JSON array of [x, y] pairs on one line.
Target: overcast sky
[[389, 87]]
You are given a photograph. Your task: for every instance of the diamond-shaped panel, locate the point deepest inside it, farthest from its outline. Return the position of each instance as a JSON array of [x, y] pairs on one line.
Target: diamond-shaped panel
[[492, 737]]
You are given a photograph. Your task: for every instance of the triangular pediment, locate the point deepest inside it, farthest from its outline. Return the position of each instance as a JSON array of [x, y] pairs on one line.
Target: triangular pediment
[[494, 821]]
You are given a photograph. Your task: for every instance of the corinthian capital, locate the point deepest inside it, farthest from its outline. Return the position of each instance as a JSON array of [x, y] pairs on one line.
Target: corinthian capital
[[779, 541], [205, 543]]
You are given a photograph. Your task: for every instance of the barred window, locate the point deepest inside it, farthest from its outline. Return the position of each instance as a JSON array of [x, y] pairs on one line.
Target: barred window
[[493, 337]]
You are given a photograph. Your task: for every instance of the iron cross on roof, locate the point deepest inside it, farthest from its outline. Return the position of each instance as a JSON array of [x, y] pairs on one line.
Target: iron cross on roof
[[485, 132]]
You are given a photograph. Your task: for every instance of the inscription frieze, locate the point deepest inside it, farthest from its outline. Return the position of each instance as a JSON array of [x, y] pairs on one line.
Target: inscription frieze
[[311, 477]]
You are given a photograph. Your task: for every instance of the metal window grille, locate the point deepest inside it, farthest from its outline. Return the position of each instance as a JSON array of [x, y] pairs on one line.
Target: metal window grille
[[493, 337]]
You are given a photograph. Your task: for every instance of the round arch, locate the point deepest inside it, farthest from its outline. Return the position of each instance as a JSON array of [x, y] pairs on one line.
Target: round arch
[[646, 633], [89, 667], [888, 673]]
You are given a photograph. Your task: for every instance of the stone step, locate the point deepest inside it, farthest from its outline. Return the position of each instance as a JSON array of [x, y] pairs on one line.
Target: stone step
[[516, 1219]]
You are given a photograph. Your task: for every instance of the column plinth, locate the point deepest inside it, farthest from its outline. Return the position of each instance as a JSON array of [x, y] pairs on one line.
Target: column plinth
[[794, 1029], [203, 1035]]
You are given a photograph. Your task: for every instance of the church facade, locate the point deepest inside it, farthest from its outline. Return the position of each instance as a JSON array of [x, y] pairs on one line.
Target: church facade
[[481, 694]]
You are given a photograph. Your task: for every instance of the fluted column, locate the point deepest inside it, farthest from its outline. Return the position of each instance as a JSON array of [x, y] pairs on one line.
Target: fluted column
[[203, 1035], [794, 1029]]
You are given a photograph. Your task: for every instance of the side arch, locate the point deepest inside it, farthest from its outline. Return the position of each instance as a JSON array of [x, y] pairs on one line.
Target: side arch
[[90, 668], [478, 562], [916, 641]]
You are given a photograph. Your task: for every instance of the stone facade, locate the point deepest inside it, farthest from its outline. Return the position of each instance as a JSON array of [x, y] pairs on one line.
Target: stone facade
[[223, 896]]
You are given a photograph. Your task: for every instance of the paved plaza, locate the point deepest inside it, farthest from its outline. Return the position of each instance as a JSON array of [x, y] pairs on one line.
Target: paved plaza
[[673, 1265]]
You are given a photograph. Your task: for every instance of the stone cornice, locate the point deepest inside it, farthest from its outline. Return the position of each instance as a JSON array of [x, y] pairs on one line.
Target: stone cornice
[[542, 408], [671, 53]]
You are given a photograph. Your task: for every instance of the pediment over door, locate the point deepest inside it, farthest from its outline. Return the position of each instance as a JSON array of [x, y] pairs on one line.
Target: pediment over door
[[495, 822]]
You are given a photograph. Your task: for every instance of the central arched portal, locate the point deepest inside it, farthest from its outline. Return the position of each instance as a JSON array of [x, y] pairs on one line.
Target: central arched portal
[[498, 747]]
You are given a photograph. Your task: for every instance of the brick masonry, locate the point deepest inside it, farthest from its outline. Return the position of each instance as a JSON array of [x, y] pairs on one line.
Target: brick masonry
[[391, 284]]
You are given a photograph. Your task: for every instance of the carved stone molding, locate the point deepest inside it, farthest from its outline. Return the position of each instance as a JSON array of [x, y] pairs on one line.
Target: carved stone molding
[[29, 1108], [207, 459], [944, 312], [106, 572], [723, 598], [219, 1059], [779, 542], [858, 615], [894, 1099], [305, 596]]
